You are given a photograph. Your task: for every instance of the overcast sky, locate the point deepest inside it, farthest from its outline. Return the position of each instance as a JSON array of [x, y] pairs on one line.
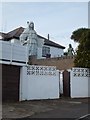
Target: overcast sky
[[59, 19]]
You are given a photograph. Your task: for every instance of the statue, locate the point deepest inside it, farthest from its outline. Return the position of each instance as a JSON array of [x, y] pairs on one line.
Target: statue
[[31, 26], [70, 50], [29, 37]]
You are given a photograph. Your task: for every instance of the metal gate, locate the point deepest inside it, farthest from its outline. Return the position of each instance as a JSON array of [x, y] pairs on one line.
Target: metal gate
[[10, 82], [66, 83]]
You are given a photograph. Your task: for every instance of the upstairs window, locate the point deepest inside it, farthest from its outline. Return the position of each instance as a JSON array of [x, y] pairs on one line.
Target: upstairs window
[[45, 51]]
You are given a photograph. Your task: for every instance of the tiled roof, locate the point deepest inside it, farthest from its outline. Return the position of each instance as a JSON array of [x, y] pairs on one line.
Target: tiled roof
[[4, 35], [17, 32], [51, 43]]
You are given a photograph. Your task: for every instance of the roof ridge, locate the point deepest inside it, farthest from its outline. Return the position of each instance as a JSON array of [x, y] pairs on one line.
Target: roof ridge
[[14, 30]]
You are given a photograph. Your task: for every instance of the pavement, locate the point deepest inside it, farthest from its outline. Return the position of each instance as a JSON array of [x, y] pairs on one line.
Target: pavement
[[58, 108]]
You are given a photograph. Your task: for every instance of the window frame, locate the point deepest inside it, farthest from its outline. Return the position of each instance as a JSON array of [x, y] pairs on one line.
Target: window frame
[[45, 51]]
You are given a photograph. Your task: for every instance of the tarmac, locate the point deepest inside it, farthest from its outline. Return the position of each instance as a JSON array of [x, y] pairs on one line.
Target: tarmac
[[0, 111], [56, 108]]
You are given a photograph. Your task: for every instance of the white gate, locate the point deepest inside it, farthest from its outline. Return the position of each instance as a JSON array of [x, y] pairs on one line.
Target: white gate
[[39, 82], [80, 82]]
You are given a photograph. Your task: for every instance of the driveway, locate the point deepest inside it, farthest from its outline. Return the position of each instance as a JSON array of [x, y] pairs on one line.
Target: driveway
[[59, 108]]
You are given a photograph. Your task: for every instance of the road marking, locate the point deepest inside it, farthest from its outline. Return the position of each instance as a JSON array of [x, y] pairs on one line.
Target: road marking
[[75, 102], [83, 117]]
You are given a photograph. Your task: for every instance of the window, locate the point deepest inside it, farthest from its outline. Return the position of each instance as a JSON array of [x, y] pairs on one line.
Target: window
[[45, 51]]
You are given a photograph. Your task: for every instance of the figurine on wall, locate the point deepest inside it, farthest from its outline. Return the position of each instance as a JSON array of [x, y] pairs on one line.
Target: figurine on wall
[[70, 50]]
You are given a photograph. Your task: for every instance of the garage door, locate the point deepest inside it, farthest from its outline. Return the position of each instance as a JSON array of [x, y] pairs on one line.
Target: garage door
[[10, 82]]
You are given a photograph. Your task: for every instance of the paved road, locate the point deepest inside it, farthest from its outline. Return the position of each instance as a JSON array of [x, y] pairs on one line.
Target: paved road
[[0, 111], [85, 117], [69, 110], [61, 108]]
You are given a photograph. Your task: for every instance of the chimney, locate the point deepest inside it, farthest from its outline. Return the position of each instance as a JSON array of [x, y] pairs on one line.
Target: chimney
[[48, 36]]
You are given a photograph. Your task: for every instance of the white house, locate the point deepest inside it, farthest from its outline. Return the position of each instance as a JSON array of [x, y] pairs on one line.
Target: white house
[[37, 45], [21, 81]]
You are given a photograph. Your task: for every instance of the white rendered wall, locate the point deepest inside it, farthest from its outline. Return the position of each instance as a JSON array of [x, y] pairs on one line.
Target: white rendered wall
[[15, 41], [80, 82], [39, 84], [1, 37], [56, 52], [39, 53]]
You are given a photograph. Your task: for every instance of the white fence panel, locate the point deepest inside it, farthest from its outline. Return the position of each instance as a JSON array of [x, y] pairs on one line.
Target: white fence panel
[[19, 53], [39, 82], [13, 52], [80, 82], [6, 50]]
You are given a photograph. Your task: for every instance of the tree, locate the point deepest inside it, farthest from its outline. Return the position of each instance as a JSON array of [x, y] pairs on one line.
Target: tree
[[82, 36], [77, 34]]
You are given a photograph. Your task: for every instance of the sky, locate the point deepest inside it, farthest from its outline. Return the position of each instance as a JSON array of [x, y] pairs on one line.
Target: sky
[[59, 19]]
